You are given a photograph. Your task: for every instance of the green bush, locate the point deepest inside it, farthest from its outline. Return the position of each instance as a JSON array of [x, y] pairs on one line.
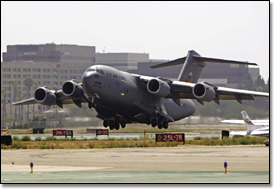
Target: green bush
[[15, 138], [26, 138], [50, 138], [18, 146], [91, 145], [38, 139], [197, 138], [244, 141]]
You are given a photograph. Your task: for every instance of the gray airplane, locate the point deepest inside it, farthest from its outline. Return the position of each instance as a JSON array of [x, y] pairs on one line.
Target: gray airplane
[[120, 97]]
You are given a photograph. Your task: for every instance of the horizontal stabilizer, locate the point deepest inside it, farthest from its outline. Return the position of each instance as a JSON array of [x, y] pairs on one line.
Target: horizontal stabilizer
[[200, 59]]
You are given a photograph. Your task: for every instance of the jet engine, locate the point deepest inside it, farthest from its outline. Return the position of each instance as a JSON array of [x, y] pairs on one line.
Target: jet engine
[[72, 89], [204, 92], [45, 96], [158, 87]]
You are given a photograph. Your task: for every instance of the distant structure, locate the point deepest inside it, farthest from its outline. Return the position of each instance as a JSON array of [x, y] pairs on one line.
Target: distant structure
[[46, 64], [122, 61], [50, 53]]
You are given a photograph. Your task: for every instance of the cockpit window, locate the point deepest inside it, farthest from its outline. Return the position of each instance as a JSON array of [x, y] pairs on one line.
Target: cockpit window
[[90, 70]]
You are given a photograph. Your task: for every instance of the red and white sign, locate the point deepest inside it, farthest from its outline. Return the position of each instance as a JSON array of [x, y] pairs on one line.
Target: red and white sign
[[59, 132], [102, 132]]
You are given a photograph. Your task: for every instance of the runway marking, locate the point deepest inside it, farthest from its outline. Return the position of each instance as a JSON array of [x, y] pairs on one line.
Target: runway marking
[[26, 168]]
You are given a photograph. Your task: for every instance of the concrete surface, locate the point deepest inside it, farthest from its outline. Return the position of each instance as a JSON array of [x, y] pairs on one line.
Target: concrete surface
[[246, 164]]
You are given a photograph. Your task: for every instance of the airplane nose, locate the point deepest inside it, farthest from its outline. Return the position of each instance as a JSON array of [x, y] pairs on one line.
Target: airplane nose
[[87, 81]]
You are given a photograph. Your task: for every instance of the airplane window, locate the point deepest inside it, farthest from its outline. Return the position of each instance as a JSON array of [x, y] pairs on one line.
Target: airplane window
[[90, 69]]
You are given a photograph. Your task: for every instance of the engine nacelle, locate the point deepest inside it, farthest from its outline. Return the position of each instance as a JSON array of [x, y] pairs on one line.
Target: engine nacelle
[[72, 89], [204, 92], [158, 87], [45, 96]]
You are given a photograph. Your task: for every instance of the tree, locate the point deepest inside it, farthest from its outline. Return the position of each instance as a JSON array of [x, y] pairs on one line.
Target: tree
[[28, 82], [260, 84], [20, 97], [248, 82], [4, 102], [267, 85], [14, 95], [35, 84]]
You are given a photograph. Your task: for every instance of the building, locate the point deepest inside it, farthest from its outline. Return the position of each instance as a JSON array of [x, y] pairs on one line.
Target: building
[[122, 61], [47, 65], [50, 53]]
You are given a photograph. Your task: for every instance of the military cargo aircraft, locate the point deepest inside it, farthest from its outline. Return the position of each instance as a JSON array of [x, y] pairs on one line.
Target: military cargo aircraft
[[121, 97]]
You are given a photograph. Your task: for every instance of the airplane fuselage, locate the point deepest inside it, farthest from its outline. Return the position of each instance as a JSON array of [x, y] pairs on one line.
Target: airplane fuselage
[[121, 93]]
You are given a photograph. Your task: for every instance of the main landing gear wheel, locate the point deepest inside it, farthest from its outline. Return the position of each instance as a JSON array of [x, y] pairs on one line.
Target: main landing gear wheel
[[117, 125], [122, 124], [165, 124], [111, 124], [160, 124], [154, 122], [105, 123]]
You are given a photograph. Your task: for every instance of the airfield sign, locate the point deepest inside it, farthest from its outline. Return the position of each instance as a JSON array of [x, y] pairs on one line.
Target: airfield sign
[[169, 137]]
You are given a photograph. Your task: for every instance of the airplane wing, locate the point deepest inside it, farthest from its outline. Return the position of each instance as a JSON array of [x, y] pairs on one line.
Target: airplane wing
[[47, 96], [255, 122], [185, 90], [239, 133]]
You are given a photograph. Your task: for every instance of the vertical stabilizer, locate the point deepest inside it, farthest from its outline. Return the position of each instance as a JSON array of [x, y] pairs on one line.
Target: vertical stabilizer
[[192, 68], [248, 123]]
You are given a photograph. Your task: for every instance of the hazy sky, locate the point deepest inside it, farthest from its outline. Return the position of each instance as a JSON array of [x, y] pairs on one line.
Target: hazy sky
[[165, 30]]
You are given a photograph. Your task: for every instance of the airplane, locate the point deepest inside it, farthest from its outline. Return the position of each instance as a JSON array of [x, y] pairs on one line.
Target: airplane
[[253, 130], [255, 122], [120, 97]]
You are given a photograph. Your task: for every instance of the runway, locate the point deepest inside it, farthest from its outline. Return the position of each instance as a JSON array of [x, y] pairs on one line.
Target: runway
[[183, 164]]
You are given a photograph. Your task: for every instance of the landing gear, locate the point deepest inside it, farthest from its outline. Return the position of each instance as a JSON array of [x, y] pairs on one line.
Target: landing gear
[[111, 124], [122, 124], [106, 123], [116, 125], [154, 122], [165, 124], [160, 124]]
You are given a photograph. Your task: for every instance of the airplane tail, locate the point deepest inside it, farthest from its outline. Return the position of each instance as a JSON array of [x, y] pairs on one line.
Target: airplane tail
[[193, 64], [248, 123]]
